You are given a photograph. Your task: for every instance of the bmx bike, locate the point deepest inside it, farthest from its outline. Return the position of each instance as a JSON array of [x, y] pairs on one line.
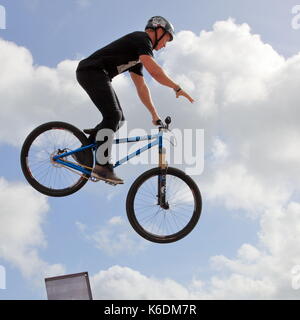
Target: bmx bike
[[163, 204]]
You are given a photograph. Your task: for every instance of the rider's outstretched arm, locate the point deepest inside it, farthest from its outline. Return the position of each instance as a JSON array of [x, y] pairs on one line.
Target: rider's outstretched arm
[[157, 72], [144, 94]]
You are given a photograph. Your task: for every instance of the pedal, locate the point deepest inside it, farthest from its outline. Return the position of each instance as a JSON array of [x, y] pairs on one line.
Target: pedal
[[94, 179], [111, 183]]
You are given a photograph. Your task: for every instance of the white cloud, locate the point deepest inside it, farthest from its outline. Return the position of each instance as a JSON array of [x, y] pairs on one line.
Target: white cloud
[[247, 102], [125, 283], [120, 283], [268, 265], [248, 252], [219, 149], [23, 213], [84, 3], [236, 187], [32, 94], [263, 271], [114, 237]]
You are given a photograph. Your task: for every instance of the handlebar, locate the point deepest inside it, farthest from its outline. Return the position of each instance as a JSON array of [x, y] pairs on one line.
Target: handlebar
[[164, 125]]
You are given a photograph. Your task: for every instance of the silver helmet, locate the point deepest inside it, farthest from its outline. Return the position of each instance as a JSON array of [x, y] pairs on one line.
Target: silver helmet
[[160, 22]]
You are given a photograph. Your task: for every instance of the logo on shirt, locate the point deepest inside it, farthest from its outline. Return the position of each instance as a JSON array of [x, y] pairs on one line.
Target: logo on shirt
[[124, 67]]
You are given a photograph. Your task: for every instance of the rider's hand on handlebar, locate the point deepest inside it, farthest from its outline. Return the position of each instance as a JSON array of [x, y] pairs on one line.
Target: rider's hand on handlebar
[[155, 119], [181, 92]]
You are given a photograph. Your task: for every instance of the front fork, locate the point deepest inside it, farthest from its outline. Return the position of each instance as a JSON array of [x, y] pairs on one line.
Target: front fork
[[161, 187]]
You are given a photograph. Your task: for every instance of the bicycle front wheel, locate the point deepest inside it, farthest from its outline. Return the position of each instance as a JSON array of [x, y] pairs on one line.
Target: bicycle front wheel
[[156, 223], [44, 174]]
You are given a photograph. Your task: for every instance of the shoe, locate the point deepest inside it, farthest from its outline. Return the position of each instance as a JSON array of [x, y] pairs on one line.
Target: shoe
[[106, 173]]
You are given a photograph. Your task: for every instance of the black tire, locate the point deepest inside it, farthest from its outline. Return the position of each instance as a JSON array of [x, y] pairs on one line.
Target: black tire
[[52, 129], [131, 204]]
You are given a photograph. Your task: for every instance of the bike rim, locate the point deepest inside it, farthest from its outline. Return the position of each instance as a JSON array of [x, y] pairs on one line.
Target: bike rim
[[160, 222], [43, 169]]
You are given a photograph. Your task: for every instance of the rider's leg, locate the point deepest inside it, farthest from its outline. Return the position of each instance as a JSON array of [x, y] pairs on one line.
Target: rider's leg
[[98, 86], [100, 125], [106, 129], [122, 120], [104, 137]]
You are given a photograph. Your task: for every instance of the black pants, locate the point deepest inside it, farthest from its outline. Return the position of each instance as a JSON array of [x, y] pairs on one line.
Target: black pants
[[97, 85]]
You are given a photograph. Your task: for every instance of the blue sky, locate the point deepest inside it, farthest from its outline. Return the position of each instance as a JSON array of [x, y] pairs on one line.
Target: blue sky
[[62, 29], [68, 30]]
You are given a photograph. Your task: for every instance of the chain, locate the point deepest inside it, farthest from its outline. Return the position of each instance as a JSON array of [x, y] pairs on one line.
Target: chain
[[75, 171]]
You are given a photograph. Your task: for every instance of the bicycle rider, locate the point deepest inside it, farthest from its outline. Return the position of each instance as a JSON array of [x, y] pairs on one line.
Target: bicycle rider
[[129, 53]]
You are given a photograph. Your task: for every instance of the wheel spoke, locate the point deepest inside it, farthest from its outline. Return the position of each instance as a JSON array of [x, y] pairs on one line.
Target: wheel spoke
[[158, 222], [43, 170]]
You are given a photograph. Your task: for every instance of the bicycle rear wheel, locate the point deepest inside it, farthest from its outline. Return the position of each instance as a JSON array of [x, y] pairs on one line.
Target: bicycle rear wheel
[[164, 225], [44, 174]]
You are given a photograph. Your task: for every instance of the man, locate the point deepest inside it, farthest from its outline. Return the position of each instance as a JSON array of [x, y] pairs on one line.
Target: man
[[129, 53]]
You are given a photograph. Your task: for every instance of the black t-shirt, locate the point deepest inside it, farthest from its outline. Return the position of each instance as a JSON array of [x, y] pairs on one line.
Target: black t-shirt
[[121, 55]]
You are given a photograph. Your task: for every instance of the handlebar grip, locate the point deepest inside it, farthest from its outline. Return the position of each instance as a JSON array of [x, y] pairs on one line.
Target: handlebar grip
[[159, 122], [168, 120]]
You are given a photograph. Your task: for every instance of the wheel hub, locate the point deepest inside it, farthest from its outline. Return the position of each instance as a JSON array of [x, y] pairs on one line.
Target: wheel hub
[[57, 153]]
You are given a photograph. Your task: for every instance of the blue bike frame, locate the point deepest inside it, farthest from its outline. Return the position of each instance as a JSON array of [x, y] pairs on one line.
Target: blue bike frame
[[158, 141]]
